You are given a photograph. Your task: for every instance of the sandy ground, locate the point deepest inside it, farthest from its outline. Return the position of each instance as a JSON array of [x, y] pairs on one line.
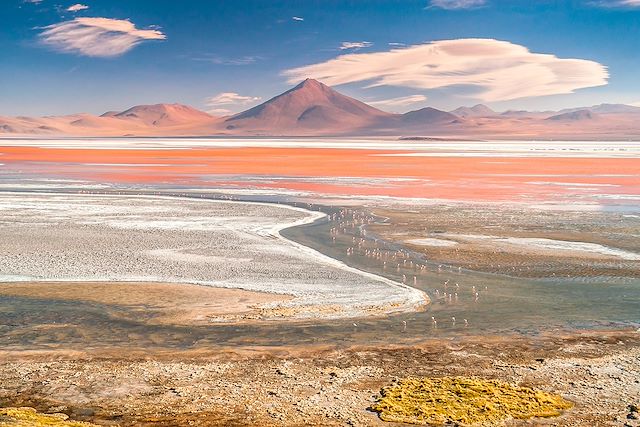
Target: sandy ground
[[162, 303], [598, 372], [167, 240]]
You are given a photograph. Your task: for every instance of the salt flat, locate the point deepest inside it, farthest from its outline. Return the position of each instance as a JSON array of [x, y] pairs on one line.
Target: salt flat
[[89, 238], [550, 245]]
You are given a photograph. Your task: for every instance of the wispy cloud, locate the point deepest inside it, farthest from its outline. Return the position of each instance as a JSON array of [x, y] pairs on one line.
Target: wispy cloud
[[456, 4], [398, 103], [616, 3], [297, 18], [355, 45], [219, 111], [227, 102], [77, 7], [215, 59], [101, 37], [486, 69]]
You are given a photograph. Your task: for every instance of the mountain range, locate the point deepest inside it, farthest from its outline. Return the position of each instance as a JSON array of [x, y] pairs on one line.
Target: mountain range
[[314, 109]]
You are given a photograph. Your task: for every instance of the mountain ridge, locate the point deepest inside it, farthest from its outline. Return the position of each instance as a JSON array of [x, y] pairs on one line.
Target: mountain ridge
[[313, 109]]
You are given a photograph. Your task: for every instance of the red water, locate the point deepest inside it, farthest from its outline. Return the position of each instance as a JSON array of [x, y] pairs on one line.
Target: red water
[[337, 171]]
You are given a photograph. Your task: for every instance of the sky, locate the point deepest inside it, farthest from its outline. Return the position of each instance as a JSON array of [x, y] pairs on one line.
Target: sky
[[63, 57]]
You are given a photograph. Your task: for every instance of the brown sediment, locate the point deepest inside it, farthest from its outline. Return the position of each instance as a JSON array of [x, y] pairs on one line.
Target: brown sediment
[[159, 303], [596, 371], [407, 223]]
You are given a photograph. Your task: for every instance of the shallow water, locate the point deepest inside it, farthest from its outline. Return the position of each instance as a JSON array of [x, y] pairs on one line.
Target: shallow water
[[505, 306]]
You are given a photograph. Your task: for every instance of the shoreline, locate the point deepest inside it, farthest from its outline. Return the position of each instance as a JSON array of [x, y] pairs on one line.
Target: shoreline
[[585, 343], [155, 303], [416, 299]]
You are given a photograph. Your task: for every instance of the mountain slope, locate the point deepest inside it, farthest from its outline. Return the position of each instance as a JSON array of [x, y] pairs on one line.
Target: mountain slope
[[142, 120], [313, 109], [574, 116], [479, 110], [428, 115], [309, 107], [605, 109], [162, 114]]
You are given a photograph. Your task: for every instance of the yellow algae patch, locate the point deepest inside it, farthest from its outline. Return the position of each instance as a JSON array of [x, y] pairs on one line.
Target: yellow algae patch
[[464, 401], [29, 417]]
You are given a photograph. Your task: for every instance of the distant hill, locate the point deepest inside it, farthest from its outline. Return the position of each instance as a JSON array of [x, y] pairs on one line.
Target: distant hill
[[428, 115], [574, 116], [479, 110], [605, 109], [161, 114], [314, 109]]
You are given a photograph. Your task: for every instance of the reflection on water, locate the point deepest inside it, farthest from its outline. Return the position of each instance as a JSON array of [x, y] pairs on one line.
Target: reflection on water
[[491, 304]]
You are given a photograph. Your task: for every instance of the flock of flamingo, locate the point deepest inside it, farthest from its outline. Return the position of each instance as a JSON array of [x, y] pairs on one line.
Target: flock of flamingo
[[406, 265]]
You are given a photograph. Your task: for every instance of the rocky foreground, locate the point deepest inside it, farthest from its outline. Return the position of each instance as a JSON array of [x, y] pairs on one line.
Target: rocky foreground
[[598, 373]]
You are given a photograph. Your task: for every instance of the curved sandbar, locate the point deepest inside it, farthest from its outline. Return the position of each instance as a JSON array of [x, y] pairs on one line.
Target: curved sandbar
[[99, 238]]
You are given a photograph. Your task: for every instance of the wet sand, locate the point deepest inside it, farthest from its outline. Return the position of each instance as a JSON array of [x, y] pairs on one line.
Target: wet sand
[[520, 241], [109, 238], [158, 303]]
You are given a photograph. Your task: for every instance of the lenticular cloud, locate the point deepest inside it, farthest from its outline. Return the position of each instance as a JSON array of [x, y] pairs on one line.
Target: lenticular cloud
[[102, 37], [490, 70]]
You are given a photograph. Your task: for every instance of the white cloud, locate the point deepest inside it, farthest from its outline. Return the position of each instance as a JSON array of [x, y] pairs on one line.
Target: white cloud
[[457, 4], [297, 18], [225, 102], [486, 69], [219, 112], [617, 3], [77, 7], [101, 37], [396, 103], [219, 60], [355, 45]]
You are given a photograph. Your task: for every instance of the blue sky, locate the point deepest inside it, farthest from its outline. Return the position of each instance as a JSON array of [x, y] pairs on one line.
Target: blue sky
[[228, 55]]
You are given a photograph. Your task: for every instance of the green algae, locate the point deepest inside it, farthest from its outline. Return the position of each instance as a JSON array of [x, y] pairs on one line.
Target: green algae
[[464, 401], [29, 417]]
